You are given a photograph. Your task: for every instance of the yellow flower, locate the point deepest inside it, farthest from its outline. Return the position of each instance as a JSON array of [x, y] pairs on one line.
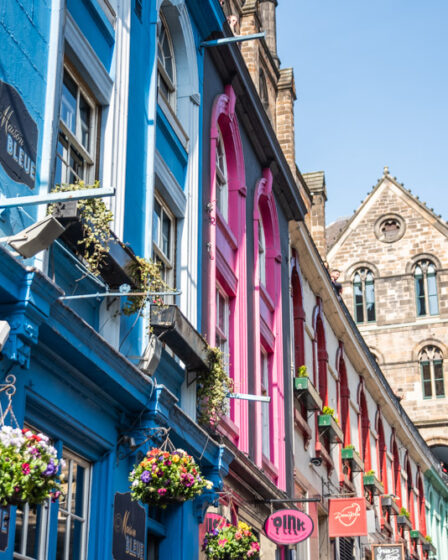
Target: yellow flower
[[175, 458], [243, 526]]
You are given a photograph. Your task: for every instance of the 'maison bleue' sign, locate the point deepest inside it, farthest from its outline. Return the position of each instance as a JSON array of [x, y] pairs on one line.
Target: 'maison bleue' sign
[[288, 526], [129, 529], [18, 137]]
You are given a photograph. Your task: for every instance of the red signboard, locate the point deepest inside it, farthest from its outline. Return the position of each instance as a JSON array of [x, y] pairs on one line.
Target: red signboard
[[348, 517], [288, 526]]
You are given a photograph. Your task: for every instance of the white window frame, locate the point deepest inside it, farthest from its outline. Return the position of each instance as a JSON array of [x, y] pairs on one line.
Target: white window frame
[[157, 251], [261, 251], [162, 74], [265, 407], [222, 182], [75, 139], [223, 335]]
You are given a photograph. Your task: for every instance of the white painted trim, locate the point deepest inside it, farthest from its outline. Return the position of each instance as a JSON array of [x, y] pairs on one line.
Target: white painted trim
[[82, 54], [169, 188], [171, 117]]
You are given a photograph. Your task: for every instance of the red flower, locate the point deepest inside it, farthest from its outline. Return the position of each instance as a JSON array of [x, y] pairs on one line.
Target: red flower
[[36, 438], [26, 468]]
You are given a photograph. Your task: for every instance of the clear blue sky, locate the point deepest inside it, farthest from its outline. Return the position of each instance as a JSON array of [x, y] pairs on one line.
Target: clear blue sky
[[372, 90]]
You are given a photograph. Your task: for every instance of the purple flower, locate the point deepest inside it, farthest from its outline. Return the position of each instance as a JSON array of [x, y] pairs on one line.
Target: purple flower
[[159, 473], [145, 476], [50, 470], [187, 479]]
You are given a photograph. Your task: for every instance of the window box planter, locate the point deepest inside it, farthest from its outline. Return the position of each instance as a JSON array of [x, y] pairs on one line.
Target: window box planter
[[403, 521], [115, 264], [351, 456], [173, 328], [327, 425], [372, 484], [429, 548], [387, 502], [307, 393], [417, 536]]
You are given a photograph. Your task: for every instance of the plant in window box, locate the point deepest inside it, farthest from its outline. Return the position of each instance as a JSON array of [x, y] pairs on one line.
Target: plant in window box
[[417, 537], [95, 219], [164, 477], [214, 385], [329, 424], [349, 454], [231, 543], [428, 546], [372, 483], [306, 391], [404, 519], [146, 277], [29, 468]]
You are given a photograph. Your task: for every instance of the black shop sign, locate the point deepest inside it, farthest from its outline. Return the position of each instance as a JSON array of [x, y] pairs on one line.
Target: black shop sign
[[4, 527], [18, 137], [129, 529]]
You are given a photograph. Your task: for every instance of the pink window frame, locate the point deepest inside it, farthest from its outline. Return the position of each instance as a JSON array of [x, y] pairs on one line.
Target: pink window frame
[[265, 209], [229, 266]]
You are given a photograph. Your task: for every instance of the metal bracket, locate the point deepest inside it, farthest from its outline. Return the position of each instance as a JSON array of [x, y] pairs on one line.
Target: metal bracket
[[56, 197], [245, 397], [234, 39]]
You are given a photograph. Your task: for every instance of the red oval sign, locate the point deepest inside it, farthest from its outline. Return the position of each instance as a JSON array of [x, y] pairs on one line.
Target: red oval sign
[[288, 526]]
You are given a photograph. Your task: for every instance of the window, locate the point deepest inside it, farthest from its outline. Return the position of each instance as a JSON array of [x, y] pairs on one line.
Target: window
[[265, 412], [163, 240], [77, 133], [426, 288], [263, 91], [364, 296], [32, 527], [166, 64], [222, 189], [222, 324], [431, 368], [261, 253]]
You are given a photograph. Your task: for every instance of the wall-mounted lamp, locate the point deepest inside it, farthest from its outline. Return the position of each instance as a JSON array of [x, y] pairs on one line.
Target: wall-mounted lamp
[[36, 237], [316, 461]]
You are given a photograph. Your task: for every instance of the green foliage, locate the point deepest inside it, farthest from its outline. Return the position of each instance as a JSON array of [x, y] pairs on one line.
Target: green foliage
[[370, 473], [231, 543], [404, 511], [147, 278], [95, 219], [428, 539], [29, 468], [350, 446], [328, 410], [302, 371], [213, 386], [163, 476]]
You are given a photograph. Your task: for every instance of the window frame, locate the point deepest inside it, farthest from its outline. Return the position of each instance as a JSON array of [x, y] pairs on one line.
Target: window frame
[[223, 335], [89, 155], [363, 284], [431, 361], [222, 178], [424, 265], [162, 73], [168, 264]]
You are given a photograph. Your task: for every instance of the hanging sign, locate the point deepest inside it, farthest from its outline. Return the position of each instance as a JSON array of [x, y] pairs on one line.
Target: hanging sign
[[18, 137], [347, 517], [387, 552], [288, 526], [129, 529], [4, 527]]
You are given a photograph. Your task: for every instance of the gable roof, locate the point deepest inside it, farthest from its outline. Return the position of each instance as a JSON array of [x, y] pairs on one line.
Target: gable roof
[[334, 237]]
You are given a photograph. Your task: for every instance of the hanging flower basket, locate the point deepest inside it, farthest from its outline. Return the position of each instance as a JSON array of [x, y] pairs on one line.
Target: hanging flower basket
[[231, 543], [163, 478], [29, 468]]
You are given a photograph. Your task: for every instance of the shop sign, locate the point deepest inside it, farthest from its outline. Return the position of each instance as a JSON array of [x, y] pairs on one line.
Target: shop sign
[[4, 527], [211, 521], [18, 137], [129, 529], [388, 552], [288, 526], [347, 517]]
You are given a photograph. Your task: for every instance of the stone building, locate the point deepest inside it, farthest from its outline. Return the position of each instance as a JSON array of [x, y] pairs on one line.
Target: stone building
[[392, 255]]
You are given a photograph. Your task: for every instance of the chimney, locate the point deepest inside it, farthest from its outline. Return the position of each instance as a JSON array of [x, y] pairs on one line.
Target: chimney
[[318, 192], [269, 24]]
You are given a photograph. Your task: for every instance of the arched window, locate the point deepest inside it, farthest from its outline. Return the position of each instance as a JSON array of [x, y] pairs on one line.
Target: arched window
[[222, 190], [322, 359], [166, 64], [298, 316], [431, 369], [261, 253], [421, 504], [410, 491], [364, 296], [396, 470], [263, 91], [426, 288]]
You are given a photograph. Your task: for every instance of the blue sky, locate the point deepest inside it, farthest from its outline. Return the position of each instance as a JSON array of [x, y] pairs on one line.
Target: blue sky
[[372, 90]]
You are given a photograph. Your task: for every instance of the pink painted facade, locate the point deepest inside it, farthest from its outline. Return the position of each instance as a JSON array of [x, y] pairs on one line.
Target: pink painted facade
[[268, 337]]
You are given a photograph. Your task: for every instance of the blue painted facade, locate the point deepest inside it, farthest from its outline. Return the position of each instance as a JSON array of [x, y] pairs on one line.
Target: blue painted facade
[[75, 363]]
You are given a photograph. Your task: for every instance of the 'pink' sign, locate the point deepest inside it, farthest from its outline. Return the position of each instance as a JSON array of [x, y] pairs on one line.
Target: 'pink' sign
[[288, 526]]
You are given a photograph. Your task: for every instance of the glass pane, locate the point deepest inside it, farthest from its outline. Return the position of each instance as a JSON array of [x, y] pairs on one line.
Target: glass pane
[[156, 219], [370, 301], [420, 295], [359, 311], [19, 530], [76, 166], [68, 103], [32, 535], [85, 112], [432, 294], [76, 528], [426, 378], [168, 58], [438, 379], [164, 88], [265, 412], [222, 313], [78, 489], [166, 236], [62, 536]]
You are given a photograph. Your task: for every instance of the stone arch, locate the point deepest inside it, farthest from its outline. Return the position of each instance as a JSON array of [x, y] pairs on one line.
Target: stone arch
[[421, 257], [350, 271]]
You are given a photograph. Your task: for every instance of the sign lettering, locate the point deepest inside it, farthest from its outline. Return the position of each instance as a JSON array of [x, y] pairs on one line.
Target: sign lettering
[[347, 517], [18, 137], [129, 529], [288, 526], [387, 552]]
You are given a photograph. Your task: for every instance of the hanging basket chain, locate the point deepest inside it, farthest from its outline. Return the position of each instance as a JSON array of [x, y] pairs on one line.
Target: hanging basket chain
[[9, 388]]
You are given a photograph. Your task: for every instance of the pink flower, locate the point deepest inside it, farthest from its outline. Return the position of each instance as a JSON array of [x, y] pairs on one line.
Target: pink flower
[[222, 542], [161, 491], [55, 496], [255, 546], [26, 468], [238, 535]]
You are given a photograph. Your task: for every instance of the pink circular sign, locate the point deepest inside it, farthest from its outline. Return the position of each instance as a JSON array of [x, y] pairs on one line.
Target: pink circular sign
[[288, 526]]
